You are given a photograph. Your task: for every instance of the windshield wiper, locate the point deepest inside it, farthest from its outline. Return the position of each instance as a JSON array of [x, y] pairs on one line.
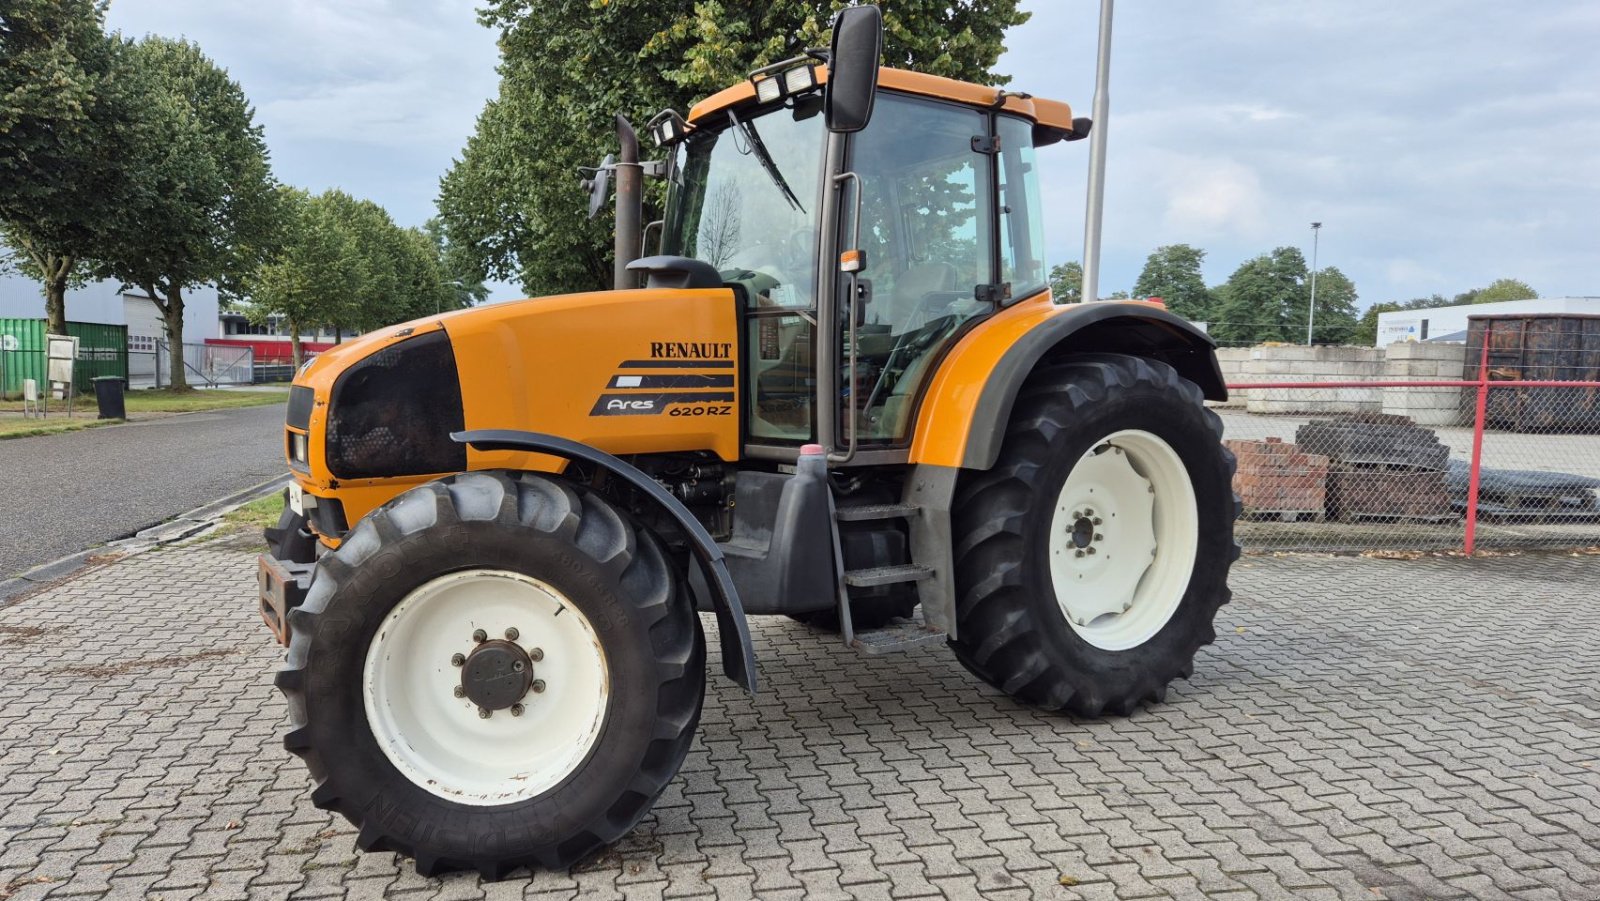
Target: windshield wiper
[[753, 140]]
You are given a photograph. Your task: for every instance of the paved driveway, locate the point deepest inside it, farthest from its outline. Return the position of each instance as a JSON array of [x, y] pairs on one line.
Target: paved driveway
[[60, 494], [1362, 729]]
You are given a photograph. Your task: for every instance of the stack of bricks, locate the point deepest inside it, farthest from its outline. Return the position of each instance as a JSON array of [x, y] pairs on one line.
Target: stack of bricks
[[1384, 467], [1278, 480]]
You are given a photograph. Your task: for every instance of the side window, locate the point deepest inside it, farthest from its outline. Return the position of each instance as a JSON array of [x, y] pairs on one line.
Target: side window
[[927, 211], [1021, 215]]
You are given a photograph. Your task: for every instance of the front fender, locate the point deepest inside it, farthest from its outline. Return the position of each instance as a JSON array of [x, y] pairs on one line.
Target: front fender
[[738, 652], [963, 416]]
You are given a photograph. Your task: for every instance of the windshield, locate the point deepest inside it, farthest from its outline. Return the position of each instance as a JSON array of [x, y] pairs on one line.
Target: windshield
[[743, 198]]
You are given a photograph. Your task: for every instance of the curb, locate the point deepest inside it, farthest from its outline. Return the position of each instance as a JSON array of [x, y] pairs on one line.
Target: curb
[[184, 525]]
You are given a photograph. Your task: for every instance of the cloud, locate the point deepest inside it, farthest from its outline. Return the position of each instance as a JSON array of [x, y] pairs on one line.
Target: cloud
[[1213, 196]]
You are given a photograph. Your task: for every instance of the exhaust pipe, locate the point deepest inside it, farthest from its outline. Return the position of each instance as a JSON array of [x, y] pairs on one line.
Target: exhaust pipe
[[630, 206]]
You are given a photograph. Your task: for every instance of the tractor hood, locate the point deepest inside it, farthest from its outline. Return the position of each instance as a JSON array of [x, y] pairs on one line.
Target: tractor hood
[[637, 371]]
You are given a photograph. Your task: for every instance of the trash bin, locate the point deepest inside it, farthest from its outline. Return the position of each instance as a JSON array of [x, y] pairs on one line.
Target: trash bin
[[108, 395]]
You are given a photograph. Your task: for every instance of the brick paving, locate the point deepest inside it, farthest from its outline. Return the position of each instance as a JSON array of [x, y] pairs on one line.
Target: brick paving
[[1363, 728]]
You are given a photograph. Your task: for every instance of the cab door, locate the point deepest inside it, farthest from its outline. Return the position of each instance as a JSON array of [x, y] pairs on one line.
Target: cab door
[[927, 183]]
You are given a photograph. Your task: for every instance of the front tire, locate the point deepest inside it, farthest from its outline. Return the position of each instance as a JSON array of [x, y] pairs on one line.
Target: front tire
[[1093, 557], [494, 670]]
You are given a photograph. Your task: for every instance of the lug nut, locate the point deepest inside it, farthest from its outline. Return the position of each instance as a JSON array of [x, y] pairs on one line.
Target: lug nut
[[536, 654], [1078, 552], [516, 709], [1077, 514], [460, 692], [480, 636], [1096, 520], [538, 686], [1087, 511], [1089, 551], [484, 713], [512, 634], [518, 666], [1099, 537], [458, 660]]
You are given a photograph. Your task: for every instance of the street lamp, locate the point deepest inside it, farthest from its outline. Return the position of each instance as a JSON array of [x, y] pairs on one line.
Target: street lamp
[[1311, 318]]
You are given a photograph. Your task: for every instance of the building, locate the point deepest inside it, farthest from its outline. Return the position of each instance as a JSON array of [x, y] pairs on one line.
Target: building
[[1450, 323], [105, 301], [269, 341]]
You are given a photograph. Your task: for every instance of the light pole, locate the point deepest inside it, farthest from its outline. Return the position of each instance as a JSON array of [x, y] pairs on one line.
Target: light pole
[[1097, 160], [1311, 318]]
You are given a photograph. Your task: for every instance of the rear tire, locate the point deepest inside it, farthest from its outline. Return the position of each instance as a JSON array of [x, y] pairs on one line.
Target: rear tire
[[378, 699], [1087, 602]]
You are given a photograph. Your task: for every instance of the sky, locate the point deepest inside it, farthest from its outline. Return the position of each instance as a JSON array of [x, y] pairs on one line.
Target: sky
[[1442, 143]]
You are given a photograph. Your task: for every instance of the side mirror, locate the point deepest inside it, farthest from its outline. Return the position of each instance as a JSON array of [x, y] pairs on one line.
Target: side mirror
[[853, 68], [599, 184]]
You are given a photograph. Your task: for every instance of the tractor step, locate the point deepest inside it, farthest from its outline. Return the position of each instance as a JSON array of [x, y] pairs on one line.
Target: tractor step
[[867, 512], [887, 575], [898, 637]]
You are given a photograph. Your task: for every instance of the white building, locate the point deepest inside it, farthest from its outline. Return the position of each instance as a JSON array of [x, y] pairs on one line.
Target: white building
[[104, 301], [1450, 323]]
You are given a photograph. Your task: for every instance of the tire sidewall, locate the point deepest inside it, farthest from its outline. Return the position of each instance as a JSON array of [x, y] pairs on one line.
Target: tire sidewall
[[1183, 425], [367, 779]]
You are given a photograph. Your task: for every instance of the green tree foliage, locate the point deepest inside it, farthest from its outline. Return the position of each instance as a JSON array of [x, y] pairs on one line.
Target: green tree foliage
[[1336, 308], [1066, 282], [203, 199], [512, 201], [65, 128], [339, 262], [1264, 299], [462, 274], [1501, 289], [1172, 273], [1366, 330]]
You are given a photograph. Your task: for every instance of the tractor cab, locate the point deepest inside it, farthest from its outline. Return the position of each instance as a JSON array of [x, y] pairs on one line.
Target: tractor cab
[[859, 251]]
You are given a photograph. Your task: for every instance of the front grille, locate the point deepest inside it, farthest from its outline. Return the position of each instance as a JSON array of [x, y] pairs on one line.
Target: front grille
[[392, 413]]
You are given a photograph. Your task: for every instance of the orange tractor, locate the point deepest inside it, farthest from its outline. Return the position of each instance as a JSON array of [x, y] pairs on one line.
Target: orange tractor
[[843, 393]]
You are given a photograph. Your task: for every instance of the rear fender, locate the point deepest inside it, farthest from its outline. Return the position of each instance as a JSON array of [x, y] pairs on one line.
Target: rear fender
[[969, 401], [738, 653]]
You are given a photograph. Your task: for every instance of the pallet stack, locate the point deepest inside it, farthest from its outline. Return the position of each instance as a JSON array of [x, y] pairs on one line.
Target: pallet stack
[[1382, 467], [1278, 480]]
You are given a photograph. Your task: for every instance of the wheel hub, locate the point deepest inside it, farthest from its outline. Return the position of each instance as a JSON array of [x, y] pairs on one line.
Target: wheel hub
[[497, 675]]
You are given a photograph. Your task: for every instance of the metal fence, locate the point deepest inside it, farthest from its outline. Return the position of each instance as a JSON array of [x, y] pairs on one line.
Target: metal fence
[[1455, 465], [208, 365]]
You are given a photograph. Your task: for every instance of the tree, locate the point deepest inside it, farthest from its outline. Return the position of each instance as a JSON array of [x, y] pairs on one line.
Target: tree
[[1172, 273], [513, 200], [1366, 330], [65, 124], [1503, 289], [1265, 299], [1066, 282], [311, 271], [461, 273], [340, 262], [203, 202], [1336, 318]]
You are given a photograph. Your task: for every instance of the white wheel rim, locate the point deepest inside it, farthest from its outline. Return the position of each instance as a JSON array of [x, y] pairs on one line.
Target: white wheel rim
[[1123, 540], [440, 741]]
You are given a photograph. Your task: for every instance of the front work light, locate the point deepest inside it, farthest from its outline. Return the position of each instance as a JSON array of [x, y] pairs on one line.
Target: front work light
[[799, 80], [789, 78], [769, 89]]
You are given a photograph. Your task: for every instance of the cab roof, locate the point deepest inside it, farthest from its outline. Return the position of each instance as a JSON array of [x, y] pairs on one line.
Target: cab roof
[[1052, 118]]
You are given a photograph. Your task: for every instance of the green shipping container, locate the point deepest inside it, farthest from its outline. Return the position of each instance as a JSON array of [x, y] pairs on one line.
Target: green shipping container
[[102, 350]]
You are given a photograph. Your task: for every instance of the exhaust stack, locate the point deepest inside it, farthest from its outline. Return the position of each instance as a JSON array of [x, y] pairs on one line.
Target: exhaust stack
[[630, 206]]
